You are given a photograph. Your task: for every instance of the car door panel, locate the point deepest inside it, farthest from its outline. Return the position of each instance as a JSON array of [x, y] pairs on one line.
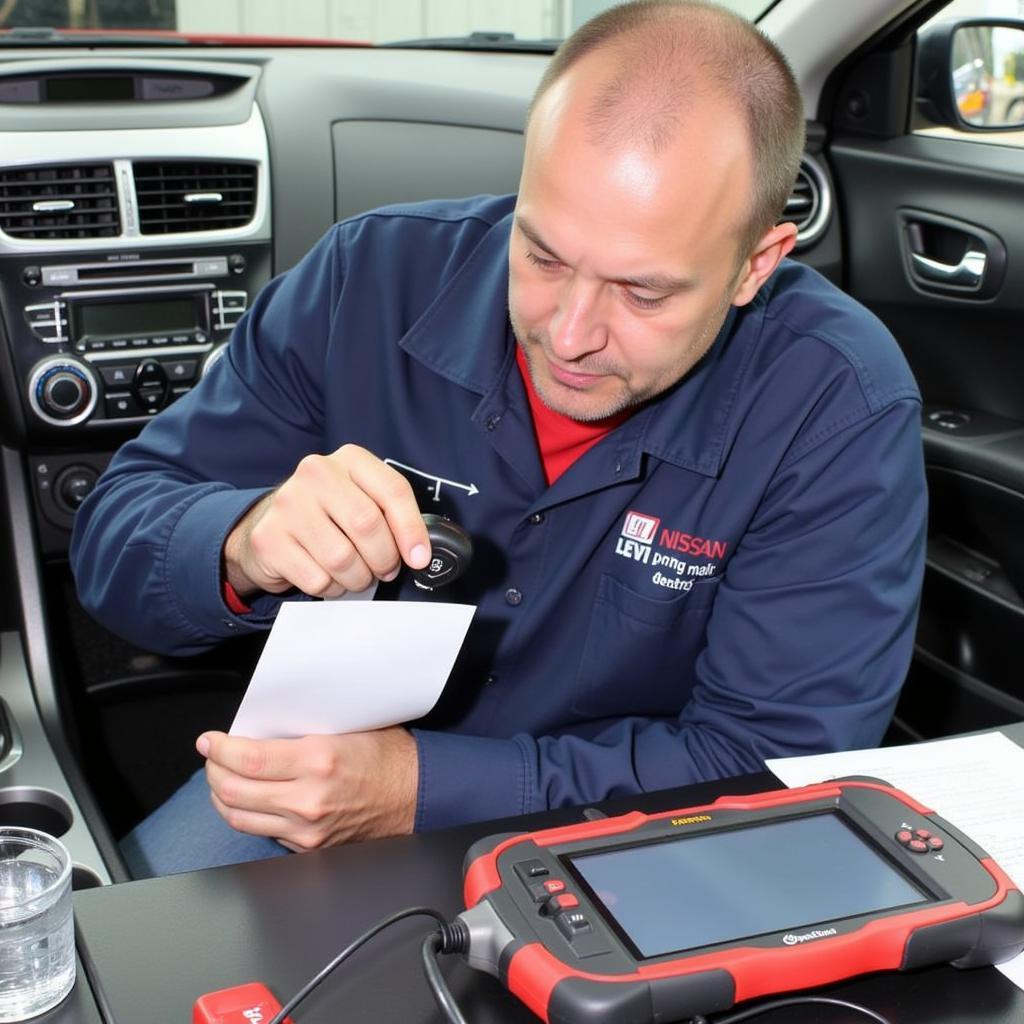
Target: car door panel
[[961, 329]]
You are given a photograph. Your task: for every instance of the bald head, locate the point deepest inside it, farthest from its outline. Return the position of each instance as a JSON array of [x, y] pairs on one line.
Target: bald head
[[660, 61]]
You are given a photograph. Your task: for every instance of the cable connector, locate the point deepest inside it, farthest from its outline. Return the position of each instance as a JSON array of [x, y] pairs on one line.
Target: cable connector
[[454, 937]]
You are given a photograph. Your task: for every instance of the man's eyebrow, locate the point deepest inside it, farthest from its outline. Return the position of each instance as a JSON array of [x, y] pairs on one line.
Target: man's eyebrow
[[658, 283], [646, 282], [532, 236]]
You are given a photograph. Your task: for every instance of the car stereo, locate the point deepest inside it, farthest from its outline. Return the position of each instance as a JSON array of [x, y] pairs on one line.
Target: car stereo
[[638, 918], [108, 338]]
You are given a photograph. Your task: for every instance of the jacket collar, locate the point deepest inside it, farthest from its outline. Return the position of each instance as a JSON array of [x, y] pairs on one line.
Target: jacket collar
[[464, 336]]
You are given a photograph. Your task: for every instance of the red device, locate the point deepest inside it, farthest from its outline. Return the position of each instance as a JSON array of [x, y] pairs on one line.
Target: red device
[[252, 1003], [643, 918]]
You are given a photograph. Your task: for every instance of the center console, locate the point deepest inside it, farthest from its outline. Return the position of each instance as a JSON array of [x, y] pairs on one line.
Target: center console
[[101, 341], [135, 230]]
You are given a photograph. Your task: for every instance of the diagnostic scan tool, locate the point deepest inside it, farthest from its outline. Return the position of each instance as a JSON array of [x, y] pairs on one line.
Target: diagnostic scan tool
[[643, 918]]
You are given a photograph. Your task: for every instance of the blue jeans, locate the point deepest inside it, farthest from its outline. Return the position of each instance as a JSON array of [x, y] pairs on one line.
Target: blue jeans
[[186, 833]]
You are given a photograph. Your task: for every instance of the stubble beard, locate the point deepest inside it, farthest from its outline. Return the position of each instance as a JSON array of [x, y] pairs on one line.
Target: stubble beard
[[627, 398]]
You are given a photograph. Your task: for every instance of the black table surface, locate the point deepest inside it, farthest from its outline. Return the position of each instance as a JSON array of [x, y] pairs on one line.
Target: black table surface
[[152, 947]]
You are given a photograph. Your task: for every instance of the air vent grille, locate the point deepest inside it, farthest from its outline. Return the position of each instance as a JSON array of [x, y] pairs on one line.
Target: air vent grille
[[810, 205], [59, 201], [177, 196]]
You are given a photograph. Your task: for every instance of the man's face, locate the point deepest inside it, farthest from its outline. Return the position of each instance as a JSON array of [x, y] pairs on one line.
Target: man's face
[[623, 262]]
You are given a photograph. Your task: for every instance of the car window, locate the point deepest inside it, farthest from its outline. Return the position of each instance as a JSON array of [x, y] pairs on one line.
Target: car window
[[376, 21], [988, 72]]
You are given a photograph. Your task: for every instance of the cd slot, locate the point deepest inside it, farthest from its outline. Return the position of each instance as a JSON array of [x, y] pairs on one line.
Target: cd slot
[[120, 271], [116, 270]]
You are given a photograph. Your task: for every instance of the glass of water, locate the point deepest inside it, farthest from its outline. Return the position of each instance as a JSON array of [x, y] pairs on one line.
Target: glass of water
[[37, 932]]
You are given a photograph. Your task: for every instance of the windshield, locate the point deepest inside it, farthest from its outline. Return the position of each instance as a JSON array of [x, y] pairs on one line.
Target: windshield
[[368, 21]]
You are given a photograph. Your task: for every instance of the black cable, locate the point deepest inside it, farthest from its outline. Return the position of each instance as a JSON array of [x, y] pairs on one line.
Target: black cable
[[432, 944], [453, 937], [313, 982], [779, 1004]]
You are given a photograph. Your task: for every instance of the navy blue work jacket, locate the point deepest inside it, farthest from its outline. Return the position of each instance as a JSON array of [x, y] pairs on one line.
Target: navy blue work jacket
[[731, 574]]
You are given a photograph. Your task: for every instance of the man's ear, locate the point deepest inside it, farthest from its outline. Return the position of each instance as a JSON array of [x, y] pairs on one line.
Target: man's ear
[[760, 265]]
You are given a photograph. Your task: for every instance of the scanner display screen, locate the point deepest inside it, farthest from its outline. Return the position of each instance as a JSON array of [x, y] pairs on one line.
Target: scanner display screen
[[792, 876]]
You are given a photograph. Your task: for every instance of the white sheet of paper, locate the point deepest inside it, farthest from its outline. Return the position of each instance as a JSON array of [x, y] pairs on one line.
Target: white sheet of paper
[[346, 666], [974, 782]]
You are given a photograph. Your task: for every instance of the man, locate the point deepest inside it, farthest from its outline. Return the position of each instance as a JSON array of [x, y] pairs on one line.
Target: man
[[692, 472]]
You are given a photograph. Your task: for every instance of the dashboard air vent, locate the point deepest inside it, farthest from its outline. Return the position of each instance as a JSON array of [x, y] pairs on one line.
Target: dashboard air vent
[[194, 195], [59, 201], [810, 205]]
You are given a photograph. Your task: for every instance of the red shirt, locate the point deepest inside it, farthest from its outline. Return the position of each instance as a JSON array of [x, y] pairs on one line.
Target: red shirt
[[562, 440]]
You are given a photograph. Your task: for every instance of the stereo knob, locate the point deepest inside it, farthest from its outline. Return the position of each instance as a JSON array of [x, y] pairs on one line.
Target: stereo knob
[[62, 391]]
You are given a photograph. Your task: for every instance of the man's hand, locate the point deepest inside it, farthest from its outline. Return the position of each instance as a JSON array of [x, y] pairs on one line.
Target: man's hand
[[336, 524], [315, 791]]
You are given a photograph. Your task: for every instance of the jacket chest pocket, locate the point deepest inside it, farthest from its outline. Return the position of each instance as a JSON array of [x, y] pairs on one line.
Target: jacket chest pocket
[[639, 654]]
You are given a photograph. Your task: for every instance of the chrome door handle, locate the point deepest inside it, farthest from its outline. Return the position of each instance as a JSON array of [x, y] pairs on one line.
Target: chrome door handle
[[969, 272]]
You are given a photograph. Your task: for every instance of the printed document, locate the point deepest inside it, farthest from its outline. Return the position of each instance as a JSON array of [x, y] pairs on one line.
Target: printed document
[[974, 782], [348, 666]]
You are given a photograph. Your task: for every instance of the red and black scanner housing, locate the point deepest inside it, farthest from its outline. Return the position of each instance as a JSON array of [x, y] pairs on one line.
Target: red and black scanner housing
[[526, 898]]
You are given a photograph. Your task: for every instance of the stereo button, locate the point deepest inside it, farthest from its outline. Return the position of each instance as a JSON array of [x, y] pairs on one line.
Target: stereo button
[[44, 313], [119, 376], [47, 321], [120, 406], [59, 275], [150, 386], [150, 374], [181, 369], [151, 400], [211, 268]]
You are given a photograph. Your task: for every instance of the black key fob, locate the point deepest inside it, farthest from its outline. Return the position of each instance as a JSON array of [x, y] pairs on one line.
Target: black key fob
[[451, 551]]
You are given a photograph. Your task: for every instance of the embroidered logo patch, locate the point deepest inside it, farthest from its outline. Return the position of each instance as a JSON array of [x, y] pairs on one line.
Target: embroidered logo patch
[[643, 540], [640, 527]]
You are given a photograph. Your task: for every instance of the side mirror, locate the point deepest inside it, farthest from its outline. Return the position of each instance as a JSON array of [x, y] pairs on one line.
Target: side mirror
[[970, 74]]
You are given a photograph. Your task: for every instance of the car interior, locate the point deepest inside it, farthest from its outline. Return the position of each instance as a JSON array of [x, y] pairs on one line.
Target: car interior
[[153, 178]]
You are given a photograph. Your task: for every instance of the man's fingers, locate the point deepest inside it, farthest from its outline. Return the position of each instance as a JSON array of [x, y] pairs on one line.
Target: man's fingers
[[393, 494], [338, 522], [372, 549], [252, 822], [291, 562], [267, 760], [245, 794], [294, 834]]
